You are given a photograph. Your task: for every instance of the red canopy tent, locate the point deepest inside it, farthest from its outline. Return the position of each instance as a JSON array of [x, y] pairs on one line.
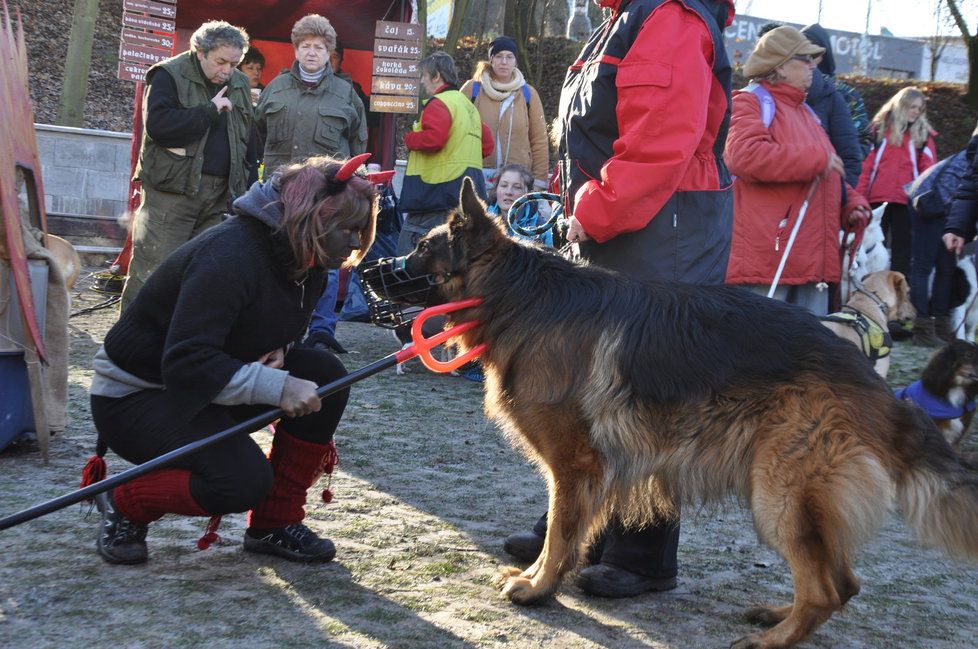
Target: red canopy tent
[[269, 24]]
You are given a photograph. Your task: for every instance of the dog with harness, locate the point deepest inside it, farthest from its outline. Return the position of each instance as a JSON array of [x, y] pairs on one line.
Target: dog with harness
[[882, 297]]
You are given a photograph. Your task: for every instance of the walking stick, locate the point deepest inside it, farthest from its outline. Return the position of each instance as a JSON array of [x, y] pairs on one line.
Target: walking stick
[[421, 347], [791, 237]]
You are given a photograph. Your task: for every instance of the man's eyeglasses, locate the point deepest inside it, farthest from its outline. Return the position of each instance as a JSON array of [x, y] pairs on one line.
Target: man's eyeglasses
[[804, 58]]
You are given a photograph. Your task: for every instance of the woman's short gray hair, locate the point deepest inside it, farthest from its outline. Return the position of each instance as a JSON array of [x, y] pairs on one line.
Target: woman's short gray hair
[[217, 33], [440, 63], [314, 26]]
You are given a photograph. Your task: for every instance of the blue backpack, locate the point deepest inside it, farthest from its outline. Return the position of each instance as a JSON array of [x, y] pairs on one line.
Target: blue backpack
[[477, 86], [768, 107]]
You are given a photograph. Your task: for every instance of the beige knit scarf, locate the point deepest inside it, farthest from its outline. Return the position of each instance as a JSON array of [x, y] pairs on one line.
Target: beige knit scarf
[[498, 90]]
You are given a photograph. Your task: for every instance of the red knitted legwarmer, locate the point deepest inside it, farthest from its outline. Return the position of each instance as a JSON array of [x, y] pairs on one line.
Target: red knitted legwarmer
[[296, 464], [148, 497]]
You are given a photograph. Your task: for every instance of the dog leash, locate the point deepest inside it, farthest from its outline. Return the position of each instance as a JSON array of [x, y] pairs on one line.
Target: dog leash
[[792, 236], [512, 216]]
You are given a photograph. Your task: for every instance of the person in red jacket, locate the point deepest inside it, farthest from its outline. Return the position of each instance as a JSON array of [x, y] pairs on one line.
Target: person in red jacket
[[904, 150], [643, 119], [780, 155]]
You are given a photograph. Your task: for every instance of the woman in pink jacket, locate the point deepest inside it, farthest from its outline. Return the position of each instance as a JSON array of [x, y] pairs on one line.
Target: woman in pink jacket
[[781, 155], [904, 150]]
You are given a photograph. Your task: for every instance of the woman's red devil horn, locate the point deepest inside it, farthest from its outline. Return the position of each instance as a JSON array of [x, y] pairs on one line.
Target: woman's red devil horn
[[350, 167]]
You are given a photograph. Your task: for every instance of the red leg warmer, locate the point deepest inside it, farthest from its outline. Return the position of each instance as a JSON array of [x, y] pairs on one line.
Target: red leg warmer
[[148, 497], [296, 464]]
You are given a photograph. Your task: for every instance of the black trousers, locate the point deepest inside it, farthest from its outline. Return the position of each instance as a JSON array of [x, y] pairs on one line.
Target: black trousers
[[233, 475], [899, 237]]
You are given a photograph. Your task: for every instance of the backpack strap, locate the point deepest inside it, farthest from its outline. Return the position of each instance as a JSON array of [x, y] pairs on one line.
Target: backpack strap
[[477, 87], [766, 101]]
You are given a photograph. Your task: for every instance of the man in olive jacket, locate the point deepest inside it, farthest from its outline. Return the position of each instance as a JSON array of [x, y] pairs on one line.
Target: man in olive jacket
[[194, 155], [307, 110]]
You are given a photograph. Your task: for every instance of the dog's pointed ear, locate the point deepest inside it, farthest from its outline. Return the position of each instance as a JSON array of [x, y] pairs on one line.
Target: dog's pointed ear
[[468, 200], [471, 215]]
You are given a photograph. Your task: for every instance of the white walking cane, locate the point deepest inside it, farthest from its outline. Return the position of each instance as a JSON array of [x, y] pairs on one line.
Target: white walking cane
[[791, 237]]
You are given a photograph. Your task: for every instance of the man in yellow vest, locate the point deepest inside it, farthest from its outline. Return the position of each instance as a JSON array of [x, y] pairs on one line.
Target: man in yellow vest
[[194, 153], [447, 144]]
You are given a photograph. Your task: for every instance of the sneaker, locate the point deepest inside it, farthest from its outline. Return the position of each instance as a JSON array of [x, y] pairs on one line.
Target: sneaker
[[119, 539], [293, 542]]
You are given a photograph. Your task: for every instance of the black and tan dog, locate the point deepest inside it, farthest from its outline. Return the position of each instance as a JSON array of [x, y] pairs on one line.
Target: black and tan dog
[[634, 397], [881, 297], [947, 389]]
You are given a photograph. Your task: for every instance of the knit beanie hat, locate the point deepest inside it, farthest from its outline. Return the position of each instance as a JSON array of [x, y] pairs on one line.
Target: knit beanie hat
[[502, 44], [775, 48]]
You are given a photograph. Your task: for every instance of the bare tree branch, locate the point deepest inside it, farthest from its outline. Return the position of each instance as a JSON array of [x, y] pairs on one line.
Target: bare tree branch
[[959, 20]]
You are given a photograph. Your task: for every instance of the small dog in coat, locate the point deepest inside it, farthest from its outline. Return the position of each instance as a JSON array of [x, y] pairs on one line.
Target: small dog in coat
[[947, 389]]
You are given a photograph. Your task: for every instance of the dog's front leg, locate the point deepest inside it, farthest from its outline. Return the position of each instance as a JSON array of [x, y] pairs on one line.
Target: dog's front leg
[[574, 504]]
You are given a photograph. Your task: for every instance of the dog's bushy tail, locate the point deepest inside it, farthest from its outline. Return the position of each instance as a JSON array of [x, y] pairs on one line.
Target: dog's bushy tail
[[938, 496]]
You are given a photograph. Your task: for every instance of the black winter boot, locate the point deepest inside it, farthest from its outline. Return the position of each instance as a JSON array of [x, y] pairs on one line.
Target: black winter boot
[[634, 561], [923, 332], [119, 539], [942, 328], [527, 546]]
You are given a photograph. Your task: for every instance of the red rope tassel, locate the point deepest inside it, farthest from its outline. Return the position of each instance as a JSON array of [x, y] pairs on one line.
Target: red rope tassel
[[94, 471], [210, 534], [330, 461]]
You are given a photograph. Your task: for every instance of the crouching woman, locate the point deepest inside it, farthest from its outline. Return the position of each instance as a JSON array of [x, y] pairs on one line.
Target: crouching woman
[[210, 342]]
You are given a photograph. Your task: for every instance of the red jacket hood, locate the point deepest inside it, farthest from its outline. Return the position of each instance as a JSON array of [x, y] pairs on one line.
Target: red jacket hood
[[614, 4]]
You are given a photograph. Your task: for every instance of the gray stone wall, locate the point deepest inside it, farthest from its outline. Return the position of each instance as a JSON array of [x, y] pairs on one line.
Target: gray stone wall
[[84, 171]]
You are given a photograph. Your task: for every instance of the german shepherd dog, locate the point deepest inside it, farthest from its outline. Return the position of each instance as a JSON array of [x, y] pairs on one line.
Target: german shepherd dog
[[634, 397]]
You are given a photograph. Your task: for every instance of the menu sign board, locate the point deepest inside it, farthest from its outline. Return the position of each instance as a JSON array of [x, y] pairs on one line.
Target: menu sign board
[[148, 36], [147, 39], [152, 23], [396, 68], [161, 9], [395, 85]]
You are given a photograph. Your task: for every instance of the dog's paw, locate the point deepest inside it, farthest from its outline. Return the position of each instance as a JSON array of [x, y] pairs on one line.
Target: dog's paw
[[748, 642], [767, 615], [521, 591], [504, 575]]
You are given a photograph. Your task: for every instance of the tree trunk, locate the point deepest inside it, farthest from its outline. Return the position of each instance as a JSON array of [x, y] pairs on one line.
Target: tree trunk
[[422, 17], [77, 63], [481, 32], [971, 97], [510, 16], [455, 27]]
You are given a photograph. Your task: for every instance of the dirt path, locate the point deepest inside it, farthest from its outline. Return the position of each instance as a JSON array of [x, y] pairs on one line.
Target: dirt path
[[425, 492]]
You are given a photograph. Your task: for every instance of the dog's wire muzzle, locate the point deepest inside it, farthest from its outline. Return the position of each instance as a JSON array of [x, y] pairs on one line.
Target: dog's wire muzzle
[[394, 295]]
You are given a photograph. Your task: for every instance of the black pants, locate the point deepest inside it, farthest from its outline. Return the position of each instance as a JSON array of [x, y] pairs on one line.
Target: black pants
[[930, 254], [230, 476], [899, 237]]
